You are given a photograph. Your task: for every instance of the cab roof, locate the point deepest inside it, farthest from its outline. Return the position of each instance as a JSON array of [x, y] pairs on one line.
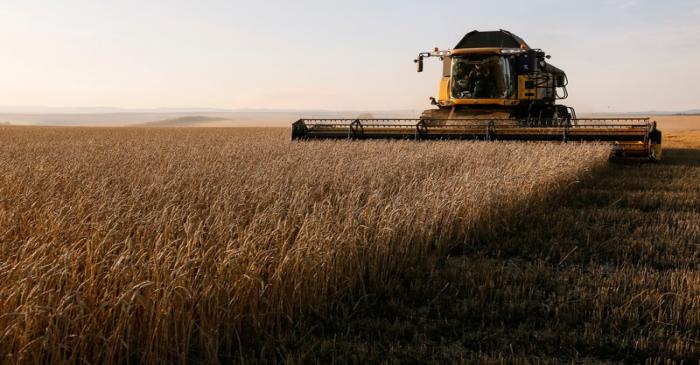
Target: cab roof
[[491, 39]]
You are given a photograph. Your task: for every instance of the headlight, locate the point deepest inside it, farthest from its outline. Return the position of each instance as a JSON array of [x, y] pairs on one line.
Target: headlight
[[512, 51]]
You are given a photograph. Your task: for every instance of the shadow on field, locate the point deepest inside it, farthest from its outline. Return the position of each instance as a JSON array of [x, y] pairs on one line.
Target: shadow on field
[[625, 214], [681, 156], [596, 273]]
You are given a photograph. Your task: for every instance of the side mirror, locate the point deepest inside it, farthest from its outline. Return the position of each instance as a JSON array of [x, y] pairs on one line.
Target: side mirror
[[419, 62]]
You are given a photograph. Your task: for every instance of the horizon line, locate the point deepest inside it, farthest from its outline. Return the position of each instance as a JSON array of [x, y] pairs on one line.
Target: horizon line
[[126, 110]]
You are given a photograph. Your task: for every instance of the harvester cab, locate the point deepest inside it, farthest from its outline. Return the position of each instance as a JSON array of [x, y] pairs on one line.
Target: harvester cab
[[496, 74], [495, 87]]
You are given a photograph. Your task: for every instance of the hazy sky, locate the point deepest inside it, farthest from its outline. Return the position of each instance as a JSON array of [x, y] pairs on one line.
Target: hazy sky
[[620, 55]]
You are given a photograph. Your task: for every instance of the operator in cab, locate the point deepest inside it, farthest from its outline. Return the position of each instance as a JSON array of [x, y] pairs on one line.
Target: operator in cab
[[474, 84], [481, 82], [460, 81]]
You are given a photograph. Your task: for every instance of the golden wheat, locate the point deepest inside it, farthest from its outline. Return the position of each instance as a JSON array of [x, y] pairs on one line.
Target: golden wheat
[[173, 245]]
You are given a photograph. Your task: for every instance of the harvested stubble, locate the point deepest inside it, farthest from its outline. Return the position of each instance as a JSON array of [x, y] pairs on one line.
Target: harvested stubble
[[172, 245]]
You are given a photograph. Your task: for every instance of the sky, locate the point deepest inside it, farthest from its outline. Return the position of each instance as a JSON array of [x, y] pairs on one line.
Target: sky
[[620, 55]]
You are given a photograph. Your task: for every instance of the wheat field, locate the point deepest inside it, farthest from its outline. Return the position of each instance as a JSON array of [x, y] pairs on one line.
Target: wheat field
[[181, 245], [606, 272]]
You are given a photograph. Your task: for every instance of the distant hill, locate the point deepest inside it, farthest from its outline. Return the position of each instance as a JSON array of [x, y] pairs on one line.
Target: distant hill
[[188, 121], [666, 112], [689, 112]]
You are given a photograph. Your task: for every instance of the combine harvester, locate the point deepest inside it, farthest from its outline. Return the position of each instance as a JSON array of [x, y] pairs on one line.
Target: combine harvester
[[495, 87]]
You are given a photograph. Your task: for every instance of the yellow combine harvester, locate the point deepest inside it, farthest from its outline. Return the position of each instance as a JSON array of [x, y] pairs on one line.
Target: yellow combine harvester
[[495, 87]]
